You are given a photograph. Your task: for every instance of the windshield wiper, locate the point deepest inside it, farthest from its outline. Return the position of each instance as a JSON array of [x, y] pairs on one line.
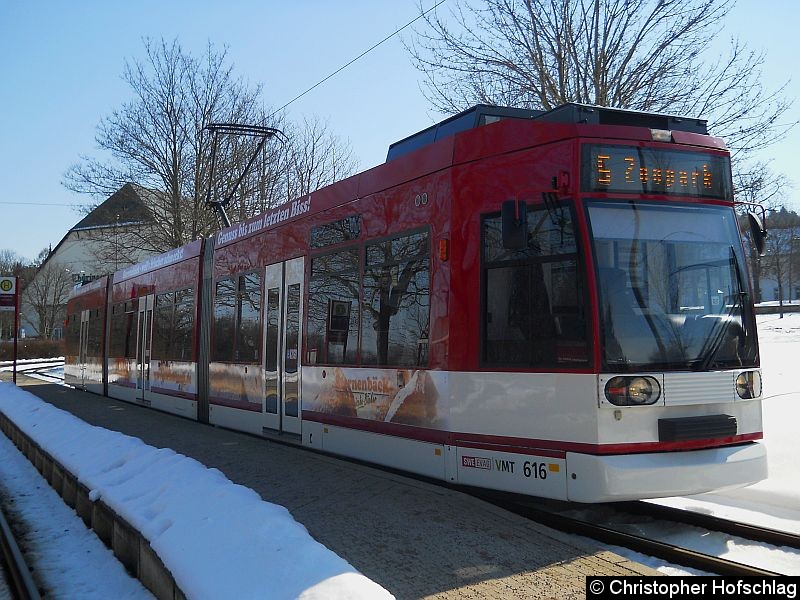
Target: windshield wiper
[[715, 341]]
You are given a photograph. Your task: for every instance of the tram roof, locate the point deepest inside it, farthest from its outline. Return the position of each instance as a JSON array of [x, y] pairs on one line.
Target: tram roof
[[575, 113]]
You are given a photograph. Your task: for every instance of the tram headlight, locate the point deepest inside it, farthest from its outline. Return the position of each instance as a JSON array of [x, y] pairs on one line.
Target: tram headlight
[[632, 391], [748, 384]]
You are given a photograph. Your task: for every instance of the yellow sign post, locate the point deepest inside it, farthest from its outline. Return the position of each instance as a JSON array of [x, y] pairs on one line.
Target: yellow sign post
[[9, 301]]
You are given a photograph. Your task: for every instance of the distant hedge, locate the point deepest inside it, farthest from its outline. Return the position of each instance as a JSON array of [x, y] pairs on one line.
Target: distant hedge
[[31, 348]]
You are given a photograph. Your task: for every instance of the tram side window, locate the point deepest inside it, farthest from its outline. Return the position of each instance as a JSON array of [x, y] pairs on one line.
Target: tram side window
[[224, 320], [534, 312], [116, 343], [162, 325], [183, 325], [237, 319], [395, 309], [248, 318], [332, 322], [94, 334], [172, 325], [72, 337], [123, 330]]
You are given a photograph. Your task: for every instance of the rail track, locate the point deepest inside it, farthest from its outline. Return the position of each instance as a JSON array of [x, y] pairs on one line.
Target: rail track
[[39, 368], [743, 530], [557, 515], [20, 580]]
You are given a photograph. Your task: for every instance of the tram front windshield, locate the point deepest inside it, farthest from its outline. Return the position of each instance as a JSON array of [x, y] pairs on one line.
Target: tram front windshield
[[672, 287]]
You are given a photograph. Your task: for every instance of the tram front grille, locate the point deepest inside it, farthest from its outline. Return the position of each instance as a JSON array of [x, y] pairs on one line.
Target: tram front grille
[[696, 428]]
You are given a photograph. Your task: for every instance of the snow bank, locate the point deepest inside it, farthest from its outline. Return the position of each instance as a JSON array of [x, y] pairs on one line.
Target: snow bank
[[217, 538]]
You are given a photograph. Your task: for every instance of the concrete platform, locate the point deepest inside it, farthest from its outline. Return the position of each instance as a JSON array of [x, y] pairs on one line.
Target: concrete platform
[[416, 539]]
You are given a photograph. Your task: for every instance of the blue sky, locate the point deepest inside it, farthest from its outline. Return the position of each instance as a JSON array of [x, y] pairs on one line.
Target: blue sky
[[62, 62]]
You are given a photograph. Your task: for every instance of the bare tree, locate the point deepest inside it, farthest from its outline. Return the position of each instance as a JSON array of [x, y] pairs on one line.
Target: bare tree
[[159, 141], [47, 293], [12, 265], [650, 55], [758, 185], [317, 157], [780, 261]]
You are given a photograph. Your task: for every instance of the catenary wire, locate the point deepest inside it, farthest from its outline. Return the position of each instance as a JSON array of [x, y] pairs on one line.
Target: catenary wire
[[367, 51]]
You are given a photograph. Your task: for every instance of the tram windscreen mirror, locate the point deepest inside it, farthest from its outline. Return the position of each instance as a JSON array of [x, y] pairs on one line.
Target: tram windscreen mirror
[[514, 217], [757, 232]]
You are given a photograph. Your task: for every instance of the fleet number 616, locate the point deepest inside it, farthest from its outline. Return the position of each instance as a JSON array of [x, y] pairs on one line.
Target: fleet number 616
[[534, 469]]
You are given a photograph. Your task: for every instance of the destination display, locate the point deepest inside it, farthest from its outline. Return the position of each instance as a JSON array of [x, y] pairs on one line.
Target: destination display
[[642, 170]]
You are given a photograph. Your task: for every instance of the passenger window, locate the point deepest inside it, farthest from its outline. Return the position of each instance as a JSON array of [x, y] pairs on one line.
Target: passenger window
[[396, 302], [248, 318], [173, 326], [162, 326], [72, 335], [183, 326], [123, 330], [332, 323], [224, 320], [534, 311], [237, 319]]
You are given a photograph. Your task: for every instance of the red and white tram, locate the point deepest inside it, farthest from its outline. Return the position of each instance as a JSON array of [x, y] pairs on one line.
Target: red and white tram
[[555, 304]]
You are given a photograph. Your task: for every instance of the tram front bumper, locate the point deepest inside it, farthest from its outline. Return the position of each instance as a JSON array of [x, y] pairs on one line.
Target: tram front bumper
[[592, 478]]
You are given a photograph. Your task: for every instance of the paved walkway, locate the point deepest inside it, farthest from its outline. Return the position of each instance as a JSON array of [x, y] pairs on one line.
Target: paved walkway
[[416, 539]]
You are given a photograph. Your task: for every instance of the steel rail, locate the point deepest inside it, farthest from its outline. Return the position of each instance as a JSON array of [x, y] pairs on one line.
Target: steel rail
[[20, 576], [40, 366], [665, 551], [747, 531]]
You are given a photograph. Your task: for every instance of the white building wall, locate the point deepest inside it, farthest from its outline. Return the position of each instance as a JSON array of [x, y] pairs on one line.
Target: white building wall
[[79, 255]]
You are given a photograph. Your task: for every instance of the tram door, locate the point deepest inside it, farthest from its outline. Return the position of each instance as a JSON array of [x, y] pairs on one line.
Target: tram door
[[143, 344], [83, 345], [283, 306]]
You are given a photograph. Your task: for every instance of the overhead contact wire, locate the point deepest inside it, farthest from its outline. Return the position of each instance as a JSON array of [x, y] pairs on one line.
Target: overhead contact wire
[[367, 51]]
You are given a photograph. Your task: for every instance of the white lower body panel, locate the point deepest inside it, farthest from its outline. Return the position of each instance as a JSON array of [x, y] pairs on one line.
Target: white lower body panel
[[423, 458], [593, 478], [236, 418], [574, 477], [121, 392], [184, 407]]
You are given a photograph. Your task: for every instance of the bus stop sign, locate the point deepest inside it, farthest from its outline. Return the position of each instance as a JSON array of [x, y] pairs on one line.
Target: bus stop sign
[[8, 292]]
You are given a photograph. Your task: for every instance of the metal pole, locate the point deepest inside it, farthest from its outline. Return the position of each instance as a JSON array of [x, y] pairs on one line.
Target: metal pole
[[16, 325]]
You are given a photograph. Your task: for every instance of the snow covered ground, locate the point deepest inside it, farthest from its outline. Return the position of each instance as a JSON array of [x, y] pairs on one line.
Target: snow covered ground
[[119, 467], [219, 539], [77, 565]]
